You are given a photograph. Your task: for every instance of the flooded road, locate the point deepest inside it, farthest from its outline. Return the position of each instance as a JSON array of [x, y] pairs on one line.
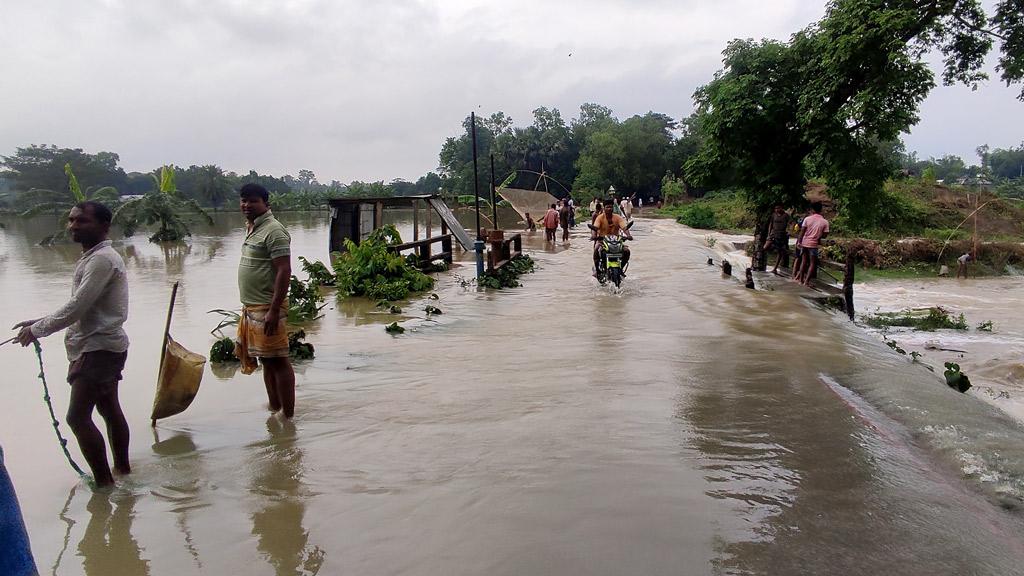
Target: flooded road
[[684, 425]]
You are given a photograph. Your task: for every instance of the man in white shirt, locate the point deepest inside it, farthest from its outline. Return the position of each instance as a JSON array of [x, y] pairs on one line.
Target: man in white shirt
[[96, 343]]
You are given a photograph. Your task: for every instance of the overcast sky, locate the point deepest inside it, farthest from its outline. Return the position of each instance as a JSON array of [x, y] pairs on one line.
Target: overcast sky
[[369, 90]]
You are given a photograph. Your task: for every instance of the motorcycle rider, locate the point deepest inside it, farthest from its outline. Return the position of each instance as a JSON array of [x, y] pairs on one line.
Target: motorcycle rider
[[608, 223]]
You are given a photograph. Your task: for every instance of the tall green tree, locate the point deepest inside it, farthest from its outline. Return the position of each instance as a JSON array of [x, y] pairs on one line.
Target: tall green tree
[[1007, 163], [42, 167], [456, 157], [632, 155], [821, 104], [213, 186]]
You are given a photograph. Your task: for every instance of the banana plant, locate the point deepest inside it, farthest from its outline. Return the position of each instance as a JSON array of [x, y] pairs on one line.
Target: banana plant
[[162, 208]]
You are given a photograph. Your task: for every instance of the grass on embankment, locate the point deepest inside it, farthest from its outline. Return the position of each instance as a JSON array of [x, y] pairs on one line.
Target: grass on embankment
[[915, 232]]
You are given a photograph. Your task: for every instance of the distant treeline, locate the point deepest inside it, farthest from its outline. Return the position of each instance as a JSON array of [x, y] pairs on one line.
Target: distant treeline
[[42, 168]]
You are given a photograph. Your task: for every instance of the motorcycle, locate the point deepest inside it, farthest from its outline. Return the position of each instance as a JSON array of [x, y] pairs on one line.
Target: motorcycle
[[610, 266]]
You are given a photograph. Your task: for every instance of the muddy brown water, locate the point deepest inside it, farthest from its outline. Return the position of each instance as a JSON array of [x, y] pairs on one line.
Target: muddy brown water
[[683, 425]]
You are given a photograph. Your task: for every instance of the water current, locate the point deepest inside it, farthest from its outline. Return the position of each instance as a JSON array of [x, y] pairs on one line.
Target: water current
[[682, 425]]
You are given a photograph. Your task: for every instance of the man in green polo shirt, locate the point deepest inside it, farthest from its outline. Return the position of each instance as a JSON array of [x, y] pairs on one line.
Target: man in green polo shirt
[[263, 275]]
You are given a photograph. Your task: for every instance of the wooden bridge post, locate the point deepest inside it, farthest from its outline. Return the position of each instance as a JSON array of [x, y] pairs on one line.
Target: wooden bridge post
[[430, 220], [415, 220], [848, 285]]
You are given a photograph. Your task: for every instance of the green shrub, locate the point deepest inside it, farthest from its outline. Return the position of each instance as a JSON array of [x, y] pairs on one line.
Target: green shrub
[[304, 301], [369, 269], [698, 215]]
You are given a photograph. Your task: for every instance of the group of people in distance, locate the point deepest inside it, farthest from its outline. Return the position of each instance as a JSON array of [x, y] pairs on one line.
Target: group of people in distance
[[811, 230], [561, 213]]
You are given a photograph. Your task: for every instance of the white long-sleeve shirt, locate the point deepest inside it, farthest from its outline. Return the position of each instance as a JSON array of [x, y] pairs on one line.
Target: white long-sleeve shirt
[[98, 308]]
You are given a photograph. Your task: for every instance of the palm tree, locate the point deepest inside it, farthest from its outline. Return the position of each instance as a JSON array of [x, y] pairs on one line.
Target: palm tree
[[162, 207], [213, 185]]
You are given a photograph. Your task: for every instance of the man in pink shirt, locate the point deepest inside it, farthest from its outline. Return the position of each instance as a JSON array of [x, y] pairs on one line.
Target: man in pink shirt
[[815, 229], [550, 223]]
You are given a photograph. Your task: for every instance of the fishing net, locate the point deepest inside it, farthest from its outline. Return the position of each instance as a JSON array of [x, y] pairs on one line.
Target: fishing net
[[180, 375], [536, 202]]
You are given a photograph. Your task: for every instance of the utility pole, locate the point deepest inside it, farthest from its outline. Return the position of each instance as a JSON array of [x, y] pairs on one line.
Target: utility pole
[[494, 204], [478, 246]]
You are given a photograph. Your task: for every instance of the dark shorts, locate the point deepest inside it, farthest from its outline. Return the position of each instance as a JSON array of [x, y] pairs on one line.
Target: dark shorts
[[780, 244], [811, 252], [100, 370]]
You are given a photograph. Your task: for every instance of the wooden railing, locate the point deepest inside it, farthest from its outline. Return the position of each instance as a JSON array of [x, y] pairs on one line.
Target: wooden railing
[[423, 252], [503, 249]]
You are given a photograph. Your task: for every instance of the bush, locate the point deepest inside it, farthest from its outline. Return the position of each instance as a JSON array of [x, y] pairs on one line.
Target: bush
[[369, 269], [717, 210], [304, 301], [698, 215]]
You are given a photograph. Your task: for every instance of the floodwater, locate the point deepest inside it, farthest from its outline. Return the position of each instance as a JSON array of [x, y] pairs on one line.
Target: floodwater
[[683, 425], [993, 358]]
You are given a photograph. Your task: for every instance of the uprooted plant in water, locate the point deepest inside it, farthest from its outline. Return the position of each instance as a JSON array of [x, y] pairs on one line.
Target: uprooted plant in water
[[508, 275], [369, 269]]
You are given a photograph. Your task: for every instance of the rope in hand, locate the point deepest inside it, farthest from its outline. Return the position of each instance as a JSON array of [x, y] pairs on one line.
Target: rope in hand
[[56, 425]]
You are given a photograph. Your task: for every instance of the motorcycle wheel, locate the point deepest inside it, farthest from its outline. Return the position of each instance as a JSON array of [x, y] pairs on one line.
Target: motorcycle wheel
[[615, 275]]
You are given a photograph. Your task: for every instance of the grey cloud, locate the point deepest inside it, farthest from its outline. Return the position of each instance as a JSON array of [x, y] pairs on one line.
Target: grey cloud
[[366, 90]]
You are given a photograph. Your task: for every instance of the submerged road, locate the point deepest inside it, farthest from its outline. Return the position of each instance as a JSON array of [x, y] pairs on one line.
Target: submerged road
[[683, 425]]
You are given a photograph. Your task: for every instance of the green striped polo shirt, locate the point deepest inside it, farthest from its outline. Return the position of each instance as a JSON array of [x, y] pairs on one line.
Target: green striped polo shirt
[[267, 240]]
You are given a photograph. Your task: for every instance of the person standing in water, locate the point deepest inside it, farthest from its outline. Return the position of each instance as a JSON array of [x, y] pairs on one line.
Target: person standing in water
[[96, 343], [815, 229], [550, 223], [563, 219], [264, 272], [531, 225], [778, 235]]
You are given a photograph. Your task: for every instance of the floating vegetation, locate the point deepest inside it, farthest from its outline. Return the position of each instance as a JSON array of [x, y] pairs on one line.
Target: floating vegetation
[[985, 326], [955, 378], [430, 310], [297, 348], [926, 319], [223, 350], [892, 344], [395, 309], [508, 275], [369, 269], [434, 296], [394, 328], [710, 241]]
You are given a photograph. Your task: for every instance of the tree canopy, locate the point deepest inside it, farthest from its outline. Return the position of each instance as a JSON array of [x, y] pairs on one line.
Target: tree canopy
[[831, 101]]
